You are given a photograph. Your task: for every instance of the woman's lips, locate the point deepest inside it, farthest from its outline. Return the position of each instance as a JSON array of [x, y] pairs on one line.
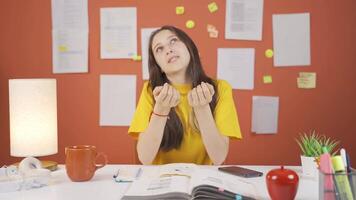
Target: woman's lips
[[173, 59]]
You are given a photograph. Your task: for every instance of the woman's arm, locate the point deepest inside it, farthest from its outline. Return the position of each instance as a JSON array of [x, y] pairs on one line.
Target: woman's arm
[[149, 141], [216, 144]]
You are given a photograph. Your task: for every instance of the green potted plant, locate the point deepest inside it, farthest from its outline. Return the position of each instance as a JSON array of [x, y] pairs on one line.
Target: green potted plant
[[311, 148]]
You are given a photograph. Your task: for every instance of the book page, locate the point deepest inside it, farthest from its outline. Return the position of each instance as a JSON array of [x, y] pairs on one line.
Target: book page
[[165, 181], [223, 182], [158, 187], [177, 169]]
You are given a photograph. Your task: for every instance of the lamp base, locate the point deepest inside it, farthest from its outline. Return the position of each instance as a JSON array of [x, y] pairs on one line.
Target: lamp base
[[46, 164], [51, 165]]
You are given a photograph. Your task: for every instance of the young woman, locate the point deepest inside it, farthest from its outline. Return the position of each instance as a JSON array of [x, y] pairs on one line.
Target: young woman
[[182, 115]]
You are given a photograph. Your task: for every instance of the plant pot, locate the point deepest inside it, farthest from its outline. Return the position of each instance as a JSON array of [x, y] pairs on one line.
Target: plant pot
[[309, 166]]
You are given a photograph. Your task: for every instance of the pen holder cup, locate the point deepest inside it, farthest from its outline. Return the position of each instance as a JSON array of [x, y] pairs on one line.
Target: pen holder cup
[[339, 186]]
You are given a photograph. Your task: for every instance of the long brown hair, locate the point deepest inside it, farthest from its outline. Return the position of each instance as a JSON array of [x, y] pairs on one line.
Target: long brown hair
[[173, 131]]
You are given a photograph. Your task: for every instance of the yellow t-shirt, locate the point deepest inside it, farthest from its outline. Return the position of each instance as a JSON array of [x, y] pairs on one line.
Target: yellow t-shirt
[[192, 149]]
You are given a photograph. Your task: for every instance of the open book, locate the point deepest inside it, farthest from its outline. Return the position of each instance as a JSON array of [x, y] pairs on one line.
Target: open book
[[188, 181]]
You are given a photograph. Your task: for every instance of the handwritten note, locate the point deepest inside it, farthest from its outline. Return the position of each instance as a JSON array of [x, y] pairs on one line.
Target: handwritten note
[[306, 80]]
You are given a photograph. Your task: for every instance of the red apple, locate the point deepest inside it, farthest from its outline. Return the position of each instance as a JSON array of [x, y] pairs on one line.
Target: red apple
[[282, 184]]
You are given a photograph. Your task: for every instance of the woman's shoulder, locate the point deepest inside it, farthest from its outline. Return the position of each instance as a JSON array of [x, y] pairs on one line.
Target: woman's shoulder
[[146, 85], [146, 88], [222, 85]]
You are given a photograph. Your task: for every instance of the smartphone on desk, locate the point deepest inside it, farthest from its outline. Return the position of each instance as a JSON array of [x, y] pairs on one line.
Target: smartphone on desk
[[240, 171]]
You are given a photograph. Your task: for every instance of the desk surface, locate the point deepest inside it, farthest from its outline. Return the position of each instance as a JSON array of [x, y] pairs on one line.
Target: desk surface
[[102, 186]]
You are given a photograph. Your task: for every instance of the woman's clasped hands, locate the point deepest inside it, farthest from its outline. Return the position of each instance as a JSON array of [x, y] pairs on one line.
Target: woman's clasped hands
[[167, 96], [201, 95]]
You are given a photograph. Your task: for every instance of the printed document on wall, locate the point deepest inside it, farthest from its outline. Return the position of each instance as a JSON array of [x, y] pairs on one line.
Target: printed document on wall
[[117, 99], [70, 36], [291, 39], [71, 14], [145, 36], [244, 19], [236, 65], [118, 37], [265, 114], [70, 51]]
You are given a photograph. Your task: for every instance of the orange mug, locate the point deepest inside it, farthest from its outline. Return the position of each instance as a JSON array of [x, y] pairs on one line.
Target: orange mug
[[81, 162]]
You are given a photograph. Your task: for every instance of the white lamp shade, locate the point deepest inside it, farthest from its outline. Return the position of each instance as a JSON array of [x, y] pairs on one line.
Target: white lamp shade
[[33, 117]]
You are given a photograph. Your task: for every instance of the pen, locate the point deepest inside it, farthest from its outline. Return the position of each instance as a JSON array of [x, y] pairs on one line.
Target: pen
[[348, 166], [117, 173], [138, 174], [349, 172], [326, 168], [343, 156], [341, 179]]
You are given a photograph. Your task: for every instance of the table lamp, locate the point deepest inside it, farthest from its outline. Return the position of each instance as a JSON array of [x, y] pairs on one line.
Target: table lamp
[[33, 118]]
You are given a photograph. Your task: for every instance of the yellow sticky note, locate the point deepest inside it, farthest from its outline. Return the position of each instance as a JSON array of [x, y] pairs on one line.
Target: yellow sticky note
[[306, 83], [214, 34], [267, 79], [306, 80], [180, 10], [307, 75], [190, 24], [269, 53], [62, 48], [210, 28], [137, 58], [213, 7]]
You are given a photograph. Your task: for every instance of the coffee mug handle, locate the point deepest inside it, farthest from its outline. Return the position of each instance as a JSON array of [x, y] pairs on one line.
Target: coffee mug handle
[[105, 162]]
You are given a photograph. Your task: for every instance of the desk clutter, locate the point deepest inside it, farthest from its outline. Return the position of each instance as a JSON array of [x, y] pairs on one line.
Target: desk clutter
[[337, 186], [190, 181], [337, 180], [29, 174]]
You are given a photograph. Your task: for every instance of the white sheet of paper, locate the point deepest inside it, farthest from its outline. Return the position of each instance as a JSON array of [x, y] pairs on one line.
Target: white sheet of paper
[[244, 19], [70, 51], [117, 99], [265, 114], [69, 36], [291, 39], [118, 35], [236, 65], [71, 14], [145, 36]]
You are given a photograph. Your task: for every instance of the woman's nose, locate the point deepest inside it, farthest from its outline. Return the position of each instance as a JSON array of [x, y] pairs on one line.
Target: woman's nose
[[169, 51]]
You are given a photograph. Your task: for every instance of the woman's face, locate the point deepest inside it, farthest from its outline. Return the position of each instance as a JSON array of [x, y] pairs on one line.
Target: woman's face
[[170, 53]]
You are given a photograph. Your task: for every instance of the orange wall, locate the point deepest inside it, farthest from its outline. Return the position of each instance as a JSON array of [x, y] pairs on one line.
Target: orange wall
[[25, 52]]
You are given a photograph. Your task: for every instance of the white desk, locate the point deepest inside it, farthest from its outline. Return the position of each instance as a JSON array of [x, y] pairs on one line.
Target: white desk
[[102, 186]]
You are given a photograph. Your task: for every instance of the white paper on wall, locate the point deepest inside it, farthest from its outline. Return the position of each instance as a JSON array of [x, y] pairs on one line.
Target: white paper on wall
[[70, 51], [244, 19], [236, 65], [291, 39], [265, 114], [71, 14], [69, 36], [145, 36], [118, 33], [117, 99]]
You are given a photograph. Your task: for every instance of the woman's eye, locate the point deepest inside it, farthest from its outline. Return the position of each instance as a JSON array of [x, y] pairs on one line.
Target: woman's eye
[[174, 40], [159, 49]]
